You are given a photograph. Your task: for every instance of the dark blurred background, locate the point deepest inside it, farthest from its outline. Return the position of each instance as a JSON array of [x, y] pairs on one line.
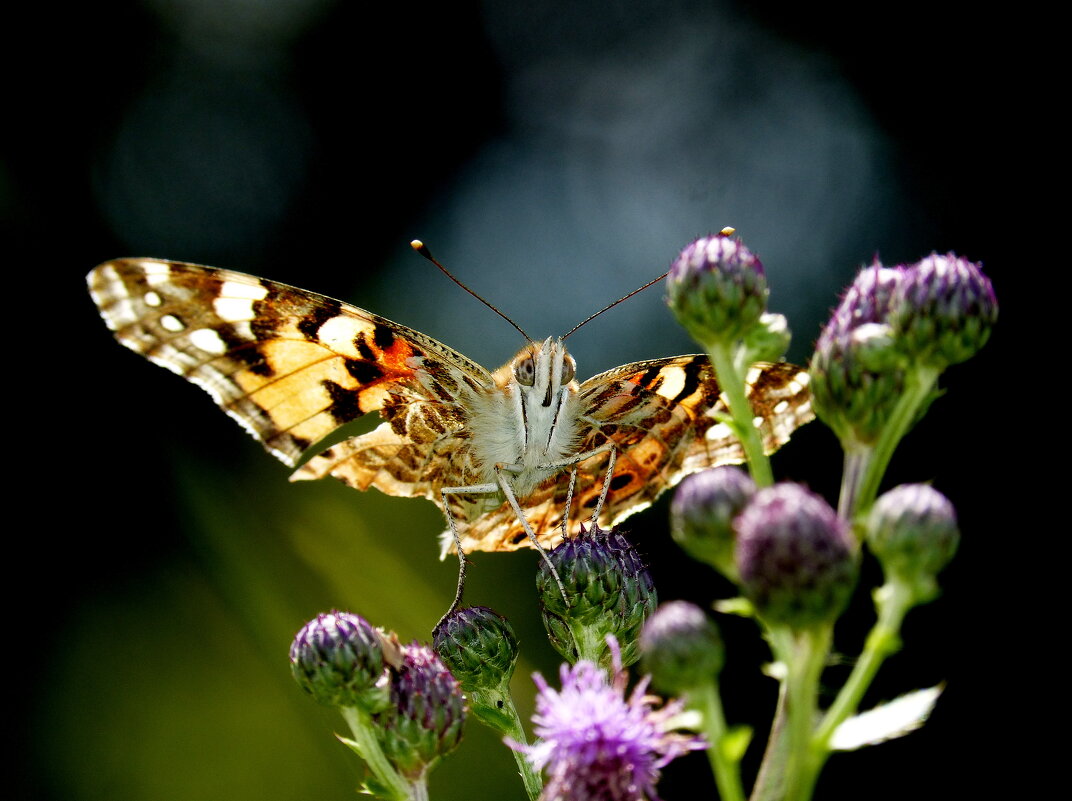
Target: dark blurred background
[[555, 156]]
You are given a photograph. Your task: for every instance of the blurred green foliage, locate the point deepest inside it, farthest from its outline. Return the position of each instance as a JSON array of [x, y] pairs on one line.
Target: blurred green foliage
[[175, 684]]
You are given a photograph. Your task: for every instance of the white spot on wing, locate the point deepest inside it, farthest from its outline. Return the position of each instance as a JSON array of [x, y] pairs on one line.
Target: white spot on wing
[[156, 272], [235, 302], [169, 322], [208, 340], [339, 333], [152, 299], [673, 381], [244, 330], [719, 431]]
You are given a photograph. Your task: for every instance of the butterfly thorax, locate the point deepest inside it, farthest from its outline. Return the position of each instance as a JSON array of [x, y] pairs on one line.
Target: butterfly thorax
[[531, 419]]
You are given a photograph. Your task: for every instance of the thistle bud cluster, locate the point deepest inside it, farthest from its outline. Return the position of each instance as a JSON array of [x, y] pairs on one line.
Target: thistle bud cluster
[[891, 324], [404, 706]]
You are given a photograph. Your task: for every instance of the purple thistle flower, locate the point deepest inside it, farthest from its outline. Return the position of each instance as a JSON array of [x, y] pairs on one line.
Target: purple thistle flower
[[596, 743]]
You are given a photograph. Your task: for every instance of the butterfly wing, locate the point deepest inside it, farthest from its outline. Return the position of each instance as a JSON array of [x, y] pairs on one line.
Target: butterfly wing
[[290, 366], [664, 419]]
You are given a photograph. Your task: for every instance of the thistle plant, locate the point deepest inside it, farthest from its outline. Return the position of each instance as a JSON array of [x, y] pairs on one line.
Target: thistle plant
[[792, 556]]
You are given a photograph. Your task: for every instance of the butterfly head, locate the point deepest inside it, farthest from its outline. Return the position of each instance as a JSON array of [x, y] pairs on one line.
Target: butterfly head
[[542, 370]]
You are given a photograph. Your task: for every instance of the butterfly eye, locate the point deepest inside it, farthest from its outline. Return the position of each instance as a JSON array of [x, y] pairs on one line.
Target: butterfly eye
[[525, 371], [569, 369]]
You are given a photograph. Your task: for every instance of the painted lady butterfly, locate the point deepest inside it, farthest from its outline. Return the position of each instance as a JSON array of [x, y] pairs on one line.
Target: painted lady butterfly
[[292, 366]]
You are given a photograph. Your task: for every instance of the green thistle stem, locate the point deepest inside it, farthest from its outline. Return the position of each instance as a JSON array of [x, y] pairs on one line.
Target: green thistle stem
[[725, 766], [501, 716], [770, 782], [368, 747], [893, 600], [804, 664], [419, 789], [857, 458], [918, 385], [731, 381]]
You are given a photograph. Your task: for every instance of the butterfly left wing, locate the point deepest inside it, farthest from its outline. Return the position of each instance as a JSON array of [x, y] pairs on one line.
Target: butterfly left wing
[[289, 365], [663, 417]]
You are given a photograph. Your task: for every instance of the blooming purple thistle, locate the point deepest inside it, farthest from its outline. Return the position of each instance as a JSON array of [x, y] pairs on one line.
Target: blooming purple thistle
[[596, 743], [717, 289], [944, 311], [427, 712], [795, 556]]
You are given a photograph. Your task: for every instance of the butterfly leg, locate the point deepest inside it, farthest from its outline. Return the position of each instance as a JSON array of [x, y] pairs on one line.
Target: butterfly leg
[[569, 502], [476, 489], [607, 447], [511, 498]]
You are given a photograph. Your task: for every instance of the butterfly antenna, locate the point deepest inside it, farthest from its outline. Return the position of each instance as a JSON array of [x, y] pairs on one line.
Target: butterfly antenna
[[615, 303], [421, 248]]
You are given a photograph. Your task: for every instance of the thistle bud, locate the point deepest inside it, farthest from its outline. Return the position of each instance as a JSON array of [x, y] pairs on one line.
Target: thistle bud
[[944, 311], [912, 529], [608, 592], [702, 512], [768, 339], [479, 647], [795, 557], [338, 659], [427, 711], [857, 372], [717, 289], [681, 648]]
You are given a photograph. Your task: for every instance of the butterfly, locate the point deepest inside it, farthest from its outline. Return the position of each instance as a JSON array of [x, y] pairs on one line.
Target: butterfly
[[491, 449]]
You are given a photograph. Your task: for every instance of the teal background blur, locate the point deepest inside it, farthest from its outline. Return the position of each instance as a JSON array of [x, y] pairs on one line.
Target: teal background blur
[[555, 156]]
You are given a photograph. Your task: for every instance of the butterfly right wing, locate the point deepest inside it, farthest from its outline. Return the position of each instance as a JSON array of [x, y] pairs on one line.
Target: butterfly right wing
[[665, 417]]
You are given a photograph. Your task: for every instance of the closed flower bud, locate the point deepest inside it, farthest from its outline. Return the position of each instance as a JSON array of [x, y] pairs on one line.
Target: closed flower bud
[[796, 558], [478, 646], [338, 659], [769, 339], [681, 648], [857, 372], [912, 529], [424, 721], [608, 592], [717, 289], [702, 512], [944, 311]]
